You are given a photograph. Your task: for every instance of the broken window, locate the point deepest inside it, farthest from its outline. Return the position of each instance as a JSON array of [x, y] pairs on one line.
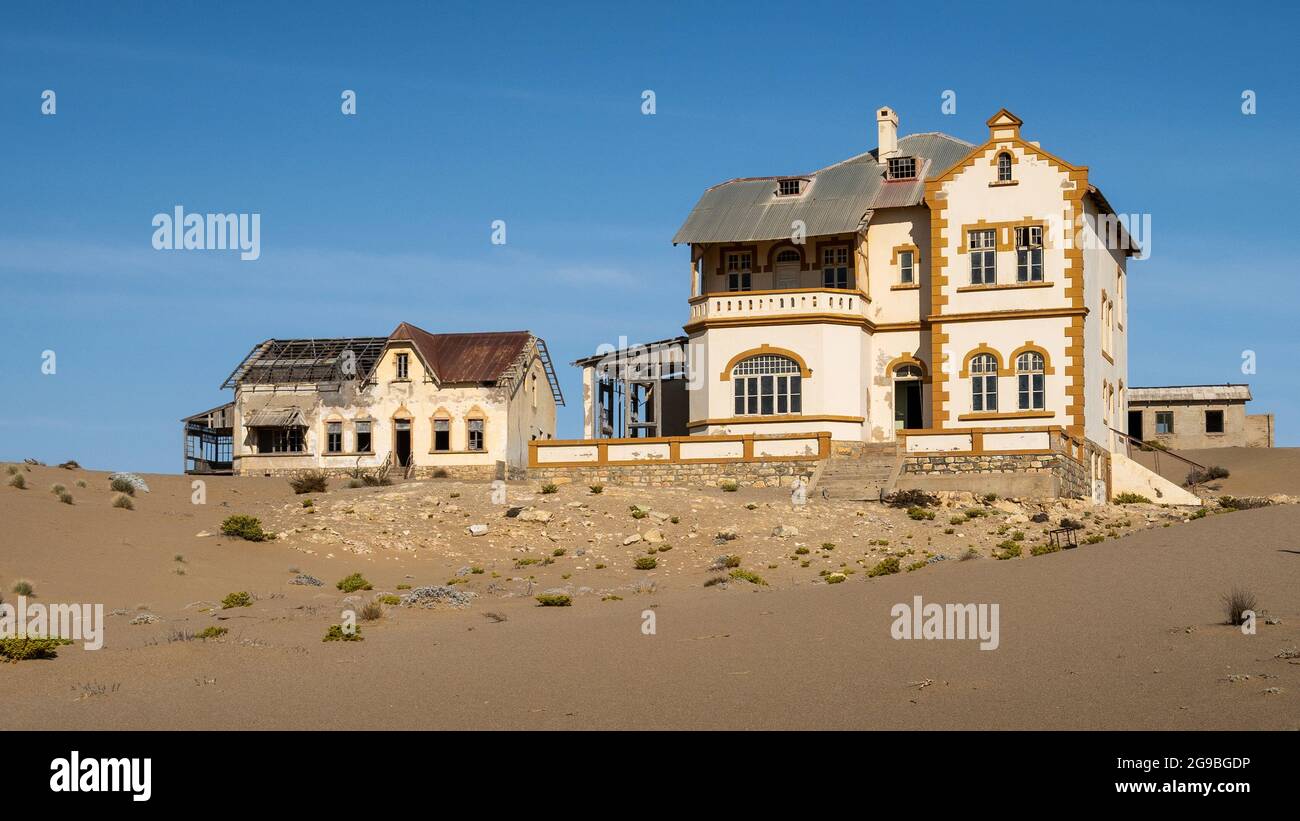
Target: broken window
[[1164, 421], [333, 437], [403, 366], [1029, 253], [363, 438], [1214, 421], [442, 435], [476, 434], [280, 439]]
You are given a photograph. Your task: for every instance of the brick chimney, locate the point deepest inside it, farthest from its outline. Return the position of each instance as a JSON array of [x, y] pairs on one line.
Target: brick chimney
[[886, 132]]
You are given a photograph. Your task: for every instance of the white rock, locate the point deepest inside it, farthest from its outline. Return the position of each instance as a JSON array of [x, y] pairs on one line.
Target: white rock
[[477, 530], [633, 539]]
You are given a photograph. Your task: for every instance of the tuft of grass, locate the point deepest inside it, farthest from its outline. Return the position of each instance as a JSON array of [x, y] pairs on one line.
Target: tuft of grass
[[240, 599], [1197, 476], [885, 567], [559, 551], [975, 512], [244, 527], [122, 486], [638, 513], [915, 566], [11, 470], [554, 600], [971, 553], [911, 498], [18, 481], [211, 633], [742, 575], [731, 561], [310, 481], [372, 610], [336, 633], [1010, 550], [920, 514], [1199, 514], [65, 497], [990, 498], [389, 599], [21, 648], [22, 587], [550, 488], [1127, 498], [1237, 601], [403, 587], [729, 486], [1071, 524], [957, 520], [308, 502], [1095, 538], [57, 488], [1043, 549], [353, 583], [81, 483], [646, 563], [596, 489], [123, 501]]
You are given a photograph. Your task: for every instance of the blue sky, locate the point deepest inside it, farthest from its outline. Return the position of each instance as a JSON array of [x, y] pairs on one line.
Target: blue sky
[[531, 113]]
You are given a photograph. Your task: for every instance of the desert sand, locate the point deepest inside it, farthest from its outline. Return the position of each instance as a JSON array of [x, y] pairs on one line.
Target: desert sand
[[1124, 633]]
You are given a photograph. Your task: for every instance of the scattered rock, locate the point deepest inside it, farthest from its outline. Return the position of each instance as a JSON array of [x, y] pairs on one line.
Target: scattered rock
[[728, 533], [532, 514], [654, 536], [477, 530], [145, 618], [304, 579], [784, 531], [441, 595], [136, 481], [1040, 518], [633, 539]]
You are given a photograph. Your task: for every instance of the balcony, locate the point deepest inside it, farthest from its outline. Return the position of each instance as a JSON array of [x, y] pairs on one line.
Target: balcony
[[829, 304]]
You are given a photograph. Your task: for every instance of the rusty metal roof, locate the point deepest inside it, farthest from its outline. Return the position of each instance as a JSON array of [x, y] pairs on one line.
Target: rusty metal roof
[[838, 199]]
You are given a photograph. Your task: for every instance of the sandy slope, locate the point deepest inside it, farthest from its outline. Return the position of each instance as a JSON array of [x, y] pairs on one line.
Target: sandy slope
[[1123, 634], [1254, 471]]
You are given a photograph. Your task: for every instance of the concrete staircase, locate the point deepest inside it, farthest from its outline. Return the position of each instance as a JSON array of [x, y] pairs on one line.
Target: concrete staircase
[[857, 476]]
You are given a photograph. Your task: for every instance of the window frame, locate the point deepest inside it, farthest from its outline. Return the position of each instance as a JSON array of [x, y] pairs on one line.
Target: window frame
[[767, 385], [1169, 427], [470, 424], [333, 437], [740, 275], [1004, 166], [369, 433], [834, 269], [1222, 420], [983, 371], [1029, 253], [982, 244], [403, 366], [907, 267], [1031, 381], [907, 162], [444, 421]]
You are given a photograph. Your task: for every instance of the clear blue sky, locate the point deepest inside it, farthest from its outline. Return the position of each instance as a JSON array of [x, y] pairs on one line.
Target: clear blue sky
[[531, 113]]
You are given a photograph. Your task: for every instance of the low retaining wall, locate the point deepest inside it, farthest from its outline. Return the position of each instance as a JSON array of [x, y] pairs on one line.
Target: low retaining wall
[[749, 460], [1015, 462]]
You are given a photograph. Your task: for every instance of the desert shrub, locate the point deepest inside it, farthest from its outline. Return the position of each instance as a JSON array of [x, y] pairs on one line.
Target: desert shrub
[[336, 633], [22, 587], [1095, 538], [919, 513], [57, 488], [374, 480], [211, 633], [311, 481], [1242, 502], [81, 483], [729, 486], [123, 501], [885, 567], [957, 520], [801, 551], [828, 545], [915, 566], [714, 580], [1199, 514], [975, 512], [747, 576], [835, 578], [1010, 550], [1071, 524], [308, 502], [353, 583], [389, 599], [1127, 498], [1237, 601], [11, 470], [372, 610], [664, 548], [244, 527], [1043, 549], [20, 648], [990, 498], [731, 561], [354, 483], [1196, 476], [440, 473], [18, 481], [911, 498], [971, 553], [596, 489], [65, 497], [550, 487], [554, 600], [122, 486], [638, 513], [646, 563], [403, 587], [240, 599], [559, 551], [1018, 536]]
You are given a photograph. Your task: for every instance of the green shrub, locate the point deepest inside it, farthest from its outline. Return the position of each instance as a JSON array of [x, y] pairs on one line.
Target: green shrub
[[211, 633], [22, 587], [957, 520], [828, 545], [20, 648], [123, 501], [335, 633], [885, 567], [403, 587], [353, 583], [11, 469], [801, 551], [65, 497], [1043, 549], [638, 513], [1199, 514], [990, 498], [835, 578], [57, 488], [550, 488], [240, 599], [554, 600], [1018, 536], [731, 561], [559, 551], [18, 481], [729, 486], [1095, 538], [311, 481], [477, 571], [975, 512], [919, 513], [1127, 498], [646, 563], [308, 502], [1071, 524], [244, 527], [122, 486], [596, 489], [915, 566], [746, 576], [1010, 550]]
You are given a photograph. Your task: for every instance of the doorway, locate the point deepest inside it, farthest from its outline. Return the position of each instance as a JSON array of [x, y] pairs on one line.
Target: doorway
[[402, 441], [787, 269], [1135, 424], [907, 398]]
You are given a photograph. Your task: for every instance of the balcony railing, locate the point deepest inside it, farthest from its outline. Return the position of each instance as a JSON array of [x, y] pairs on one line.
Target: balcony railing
[[778, 304]]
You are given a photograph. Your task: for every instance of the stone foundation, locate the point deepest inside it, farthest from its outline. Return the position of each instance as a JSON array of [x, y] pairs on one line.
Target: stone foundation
[[666, 474], [1030, 475]]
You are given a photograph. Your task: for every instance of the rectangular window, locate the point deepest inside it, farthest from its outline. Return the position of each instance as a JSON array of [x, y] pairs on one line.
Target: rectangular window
[[1214, 421], [739, 267], [333, 437], [768, 394], [476, 434], [1029, 253], [835, 268], [403, 365], [1164, 421], [1031, 391], [983, 257], [789, 188], [984, 393], [442, 435], [906, 267], [363, 437], [902, 168], [280, 440]]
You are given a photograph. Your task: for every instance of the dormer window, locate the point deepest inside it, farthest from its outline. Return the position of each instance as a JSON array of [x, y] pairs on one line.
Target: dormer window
[[789, 188], [902, 168], [1004, 167]]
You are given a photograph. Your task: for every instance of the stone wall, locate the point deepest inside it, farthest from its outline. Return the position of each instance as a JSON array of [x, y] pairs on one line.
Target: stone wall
[[1031, 475], [667, 474]]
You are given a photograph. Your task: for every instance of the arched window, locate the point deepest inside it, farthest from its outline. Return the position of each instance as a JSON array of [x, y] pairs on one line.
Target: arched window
[[1004, 167], [767, 384], [788, 255], [1029, 379], [907, 372], [984, 383]]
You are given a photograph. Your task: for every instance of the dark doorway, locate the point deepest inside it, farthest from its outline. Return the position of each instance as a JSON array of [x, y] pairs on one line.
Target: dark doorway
[[402, 444], [1135, 424], [907, 404]]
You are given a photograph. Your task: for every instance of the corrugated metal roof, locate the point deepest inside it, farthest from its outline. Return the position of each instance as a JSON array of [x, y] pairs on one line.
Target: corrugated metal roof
[[306, 361], [838, 199], [1191, 393], [475, 357], [275, 418]]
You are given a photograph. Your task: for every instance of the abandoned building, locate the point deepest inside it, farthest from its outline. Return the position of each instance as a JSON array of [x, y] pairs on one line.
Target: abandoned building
[[931, 313], [413, 403], [1190, 417]]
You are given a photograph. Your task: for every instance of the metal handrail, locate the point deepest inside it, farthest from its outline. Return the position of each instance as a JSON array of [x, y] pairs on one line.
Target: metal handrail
[[1150, 447]]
